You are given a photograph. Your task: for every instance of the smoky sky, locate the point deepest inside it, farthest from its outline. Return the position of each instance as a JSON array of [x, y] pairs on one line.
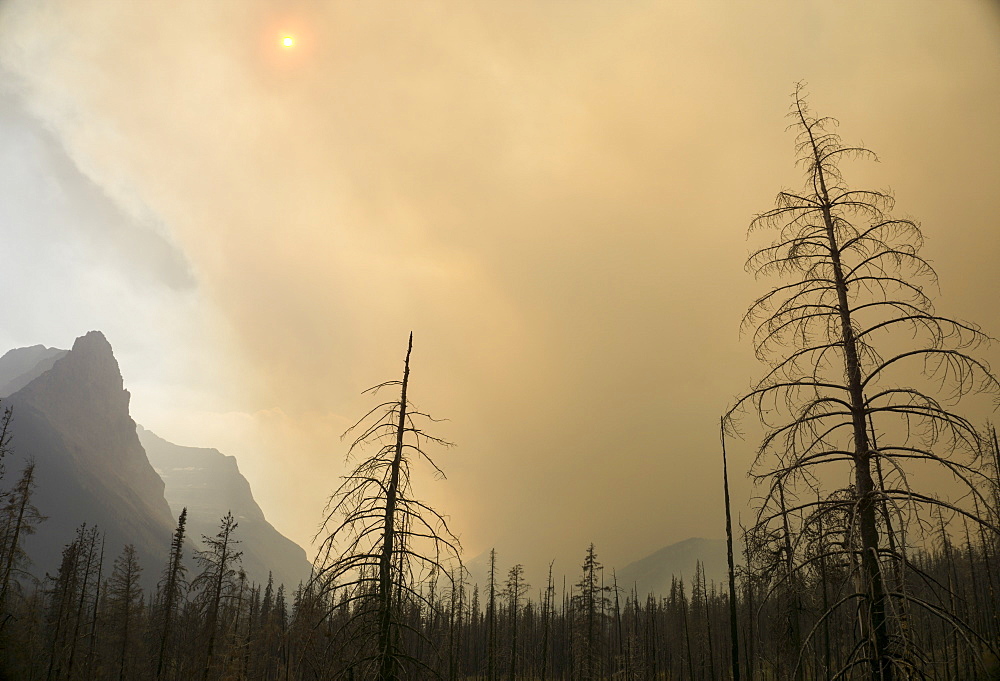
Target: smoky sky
[[553, 196]]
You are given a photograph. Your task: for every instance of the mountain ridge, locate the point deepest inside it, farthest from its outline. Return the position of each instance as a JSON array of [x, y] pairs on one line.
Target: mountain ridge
[[209, 484], [653, 573], [71, 416], [20, 366], [73, 420]]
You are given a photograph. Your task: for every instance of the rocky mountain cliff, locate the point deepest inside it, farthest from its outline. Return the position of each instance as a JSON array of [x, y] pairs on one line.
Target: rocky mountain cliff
[[71, 415], [209, 484], [73, 419]]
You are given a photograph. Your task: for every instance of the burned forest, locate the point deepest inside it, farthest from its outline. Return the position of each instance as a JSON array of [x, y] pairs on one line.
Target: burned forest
[[869, 549]]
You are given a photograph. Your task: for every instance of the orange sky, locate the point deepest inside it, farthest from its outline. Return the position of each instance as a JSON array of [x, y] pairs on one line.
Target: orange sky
[[552, 195]]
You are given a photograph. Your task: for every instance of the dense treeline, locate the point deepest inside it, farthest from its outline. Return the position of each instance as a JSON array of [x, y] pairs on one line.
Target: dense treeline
[[90, 621]]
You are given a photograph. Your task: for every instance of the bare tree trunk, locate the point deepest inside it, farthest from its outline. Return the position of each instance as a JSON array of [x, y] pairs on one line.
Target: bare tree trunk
[[387, 657], [824, 582], [23, 491], [618, 623], [708, 624], [514, 585], [66, 582], [174, 568], [750, 612], [93, 621], [91, 549], [881, 664], [546, 616], [491, 623], [222, 547], [734, 635], [793, 593], [950, 641], [687, 637]]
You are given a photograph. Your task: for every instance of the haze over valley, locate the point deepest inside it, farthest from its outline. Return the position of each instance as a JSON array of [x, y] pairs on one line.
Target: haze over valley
[[577, 340]]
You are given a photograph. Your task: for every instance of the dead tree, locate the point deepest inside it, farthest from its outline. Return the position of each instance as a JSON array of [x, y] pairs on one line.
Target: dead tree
[[217, 581], [516, 587], [854, 346], [380, 543], [125, 594], [591, 603], [18, 517], [491, 620], [734, 636], [172, 586]]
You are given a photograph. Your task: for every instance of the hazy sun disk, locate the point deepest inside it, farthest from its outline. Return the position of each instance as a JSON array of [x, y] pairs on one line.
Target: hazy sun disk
[[288, 41]]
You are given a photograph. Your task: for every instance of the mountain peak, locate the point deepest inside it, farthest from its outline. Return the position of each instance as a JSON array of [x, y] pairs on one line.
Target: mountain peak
[[654, 573], [86, 375], [93, 342], [94, 350], [73, 419]]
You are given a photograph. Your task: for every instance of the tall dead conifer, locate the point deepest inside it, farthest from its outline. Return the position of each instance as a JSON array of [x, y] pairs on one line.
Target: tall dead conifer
[[853, 342], [380, 542]]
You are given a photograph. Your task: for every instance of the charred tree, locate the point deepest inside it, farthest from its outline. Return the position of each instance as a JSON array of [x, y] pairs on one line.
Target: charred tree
[[854, 344], [19, 518], [172, 585], [516, 587], [734, 634], [217, 581], [380, 542], [124, 594]]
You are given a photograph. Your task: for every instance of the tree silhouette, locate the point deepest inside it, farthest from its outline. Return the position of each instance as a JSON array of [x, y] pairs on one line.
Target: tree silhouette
[[516, 587], [172, 585], [18, 517], [863, 379], [591, 603], [125, 595], [217, 580], [380, 542]]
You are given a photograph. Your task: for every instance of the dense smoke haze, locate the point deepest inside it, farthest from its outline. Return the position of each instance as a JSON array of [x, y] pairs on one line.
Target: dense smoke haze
[[552, 196]]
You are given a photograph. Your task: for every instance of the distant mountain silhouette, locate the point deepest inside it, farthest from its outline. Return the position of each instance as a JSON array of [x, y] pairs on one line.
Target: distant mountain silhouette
[[73, 419], [71, 414], [21, 366], [478, 571], [210, 484], [654, 573], [651, 574]]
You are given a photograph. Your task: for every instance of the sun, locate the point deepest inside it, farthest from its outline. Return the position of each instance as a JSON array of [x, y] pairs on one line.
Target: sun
[[288, 41]]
